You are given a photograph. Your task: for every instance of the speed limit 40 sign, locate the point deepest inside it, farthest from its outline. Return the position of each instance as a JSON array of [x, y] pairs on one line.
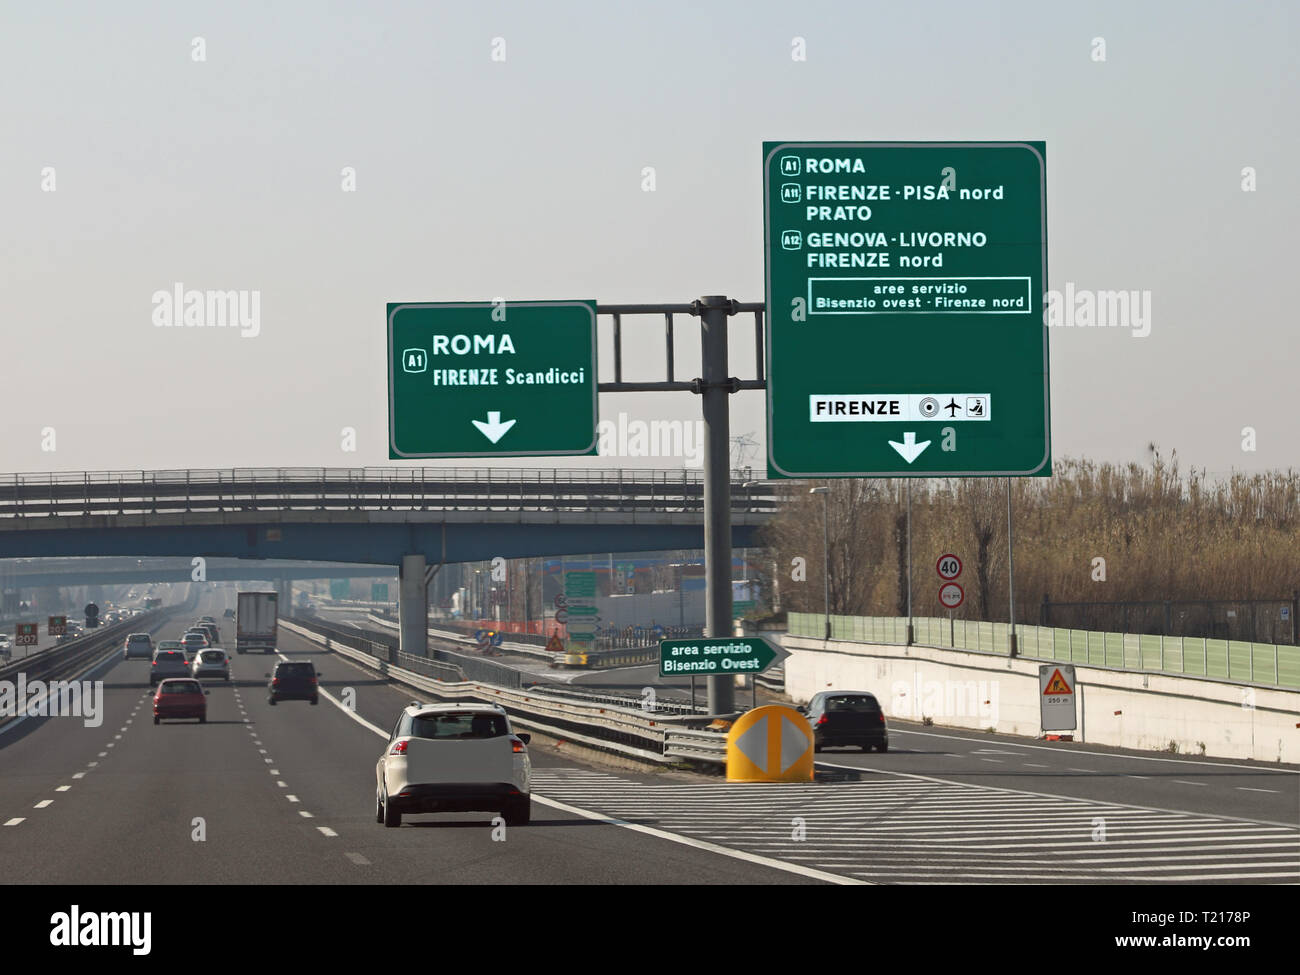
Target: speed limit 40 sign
[[948, 566]]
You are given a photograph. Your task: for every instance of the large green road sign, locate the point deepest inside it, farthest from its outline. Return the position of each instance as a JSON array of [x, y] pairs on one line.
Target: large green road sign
[[905, 331], [491, 379], [721, 655]]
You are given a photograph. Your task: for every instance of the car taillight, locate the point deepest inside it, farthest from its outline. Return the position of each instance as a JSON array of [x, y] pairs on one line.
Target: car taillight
[[312, 680], [882, 717], [517, 746], [274, 681], [399, 748], [822, 719]]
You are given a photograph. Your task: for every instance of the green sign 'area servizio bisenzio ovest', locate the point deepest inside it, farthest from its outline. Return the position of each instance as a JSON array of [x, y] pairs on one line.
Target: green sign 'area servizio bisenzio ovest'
[[905, 329], [491, 379]]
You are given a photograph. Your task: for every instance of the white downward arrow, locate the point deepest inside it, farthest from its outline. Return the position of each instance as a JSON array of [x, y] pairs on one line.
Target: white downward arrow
[[494, 429], [909, 448]]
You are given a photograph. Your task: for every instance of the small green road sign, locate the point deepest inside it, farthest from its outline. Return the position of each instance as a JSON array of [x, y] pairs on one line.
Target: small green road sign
[[379, 592], [905, 326], [340, 588], [741, 655], [491, 379]]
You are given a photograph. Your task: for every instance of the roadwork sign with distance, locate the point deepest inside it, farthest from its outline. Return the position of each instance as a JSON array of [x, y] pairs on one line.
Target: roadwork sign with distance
[[1056, 696], [491, 379], [905, 326]]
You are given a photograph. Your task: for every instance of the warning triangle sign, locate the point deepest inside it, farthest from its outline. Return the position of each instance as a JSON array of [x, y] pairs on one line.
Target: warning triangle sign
[[554, 644], [1057, 684]]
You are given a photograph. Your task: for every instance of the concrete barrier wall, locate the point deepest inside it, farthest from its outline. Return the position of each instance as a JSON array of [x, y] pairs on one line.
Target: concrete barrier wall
[[963, 689]]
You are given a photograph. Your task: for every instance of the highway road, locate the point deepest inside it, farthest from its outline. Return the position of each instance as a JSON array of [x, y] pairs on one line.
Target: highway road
[[285, 794]]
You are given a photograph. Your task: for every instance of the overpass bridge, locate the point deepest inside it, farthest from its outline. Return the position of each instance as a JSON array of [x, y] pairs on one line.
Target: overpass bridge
[[365, 515], [413, 518]]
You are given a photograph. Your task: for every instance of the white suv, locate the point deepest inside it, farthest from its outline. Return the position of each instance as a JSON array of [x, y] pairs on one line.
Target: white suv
[[453, 758]]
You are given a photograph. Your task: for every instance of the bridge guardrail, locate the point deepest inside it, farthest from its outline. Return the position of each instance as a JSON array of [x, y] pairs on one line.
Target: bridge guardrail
[[607, 727], [414, 488]]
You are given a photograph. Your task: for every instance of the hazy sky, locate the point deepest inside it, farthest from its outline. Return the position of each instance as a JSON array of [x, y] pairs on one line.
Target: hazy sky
[[522, 178]]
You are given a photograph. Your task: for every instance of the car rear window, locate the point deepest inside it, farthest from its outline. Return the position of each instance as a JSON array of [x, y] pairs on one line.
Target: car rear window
[[181, 687], [171, 655], [294, 670], [213, 656], [852, 702], [460, 724], [140, 638]]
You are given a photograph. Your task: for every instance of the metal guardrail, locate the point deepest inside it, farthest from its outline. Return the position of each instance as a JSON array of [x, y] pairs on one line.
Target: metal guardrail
[[371, 488], [444, 664], [609, 727], [64, 660]]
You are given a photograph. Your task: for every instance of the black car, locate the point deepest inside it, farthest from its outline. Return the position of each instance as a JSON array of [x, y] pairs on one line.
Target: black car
[[293, 680], [847, 718]]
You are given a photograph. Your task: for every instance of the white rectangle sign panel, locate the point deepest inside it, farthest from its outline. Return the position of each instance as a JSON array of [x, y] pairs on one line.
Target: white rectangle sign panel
[[1056, 690]]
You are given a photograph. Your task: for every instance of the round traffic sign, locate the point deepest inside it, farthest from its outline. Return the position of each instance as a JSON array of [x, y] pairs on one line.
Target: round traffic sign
[[948, 566], [92, 609], [951, 595]]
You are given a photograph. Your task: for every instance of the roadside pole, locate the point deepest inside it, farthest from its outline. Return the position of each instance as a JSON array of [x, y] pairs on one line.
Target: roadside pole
[[715, 390]]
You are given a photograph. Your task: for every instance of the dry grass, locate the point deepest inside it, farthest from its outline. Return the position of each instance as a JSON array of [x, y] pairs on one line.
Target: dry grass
[[1164, 535]]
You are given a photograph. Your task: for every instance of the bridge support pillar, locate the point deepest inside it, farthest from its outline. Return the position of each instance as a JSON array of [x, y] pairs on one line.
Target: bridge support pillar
[[413, 606]]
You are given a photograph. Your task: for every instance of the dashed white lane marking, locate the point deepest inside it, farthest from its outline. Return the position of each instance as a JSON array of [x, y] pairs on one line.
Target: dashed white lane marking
[[91, 764], [291, 798], [1246, 788], [268, 761], [1035, 765], [78, 775], [42, 804], [1132, 776], [275, 771], [101, 755], [358, 859], [15, 821], [117, 737], [327, 831], [262, 750], [305, 814], [997, 761], [282, 784], [1185, 782], [63, 788]]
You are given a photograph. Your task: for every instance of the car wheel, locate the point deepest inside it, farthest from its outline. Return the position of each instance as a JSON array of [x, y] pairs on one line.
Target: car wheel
[[867, 748], [379, 808], [518, 813], [314, 701], [270, 700], [203, 719], [883, 747], [391, 816], [156, 719], [817, 747]]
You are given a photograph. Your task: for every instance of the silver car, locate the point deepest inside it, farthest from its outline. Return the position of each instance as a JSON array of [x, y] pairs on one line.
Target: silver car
[[211, 663]]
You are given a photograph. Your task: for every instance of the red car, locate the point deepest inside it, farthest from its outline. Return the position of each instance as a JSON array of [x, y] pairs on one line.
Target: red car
[[180, 697]]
